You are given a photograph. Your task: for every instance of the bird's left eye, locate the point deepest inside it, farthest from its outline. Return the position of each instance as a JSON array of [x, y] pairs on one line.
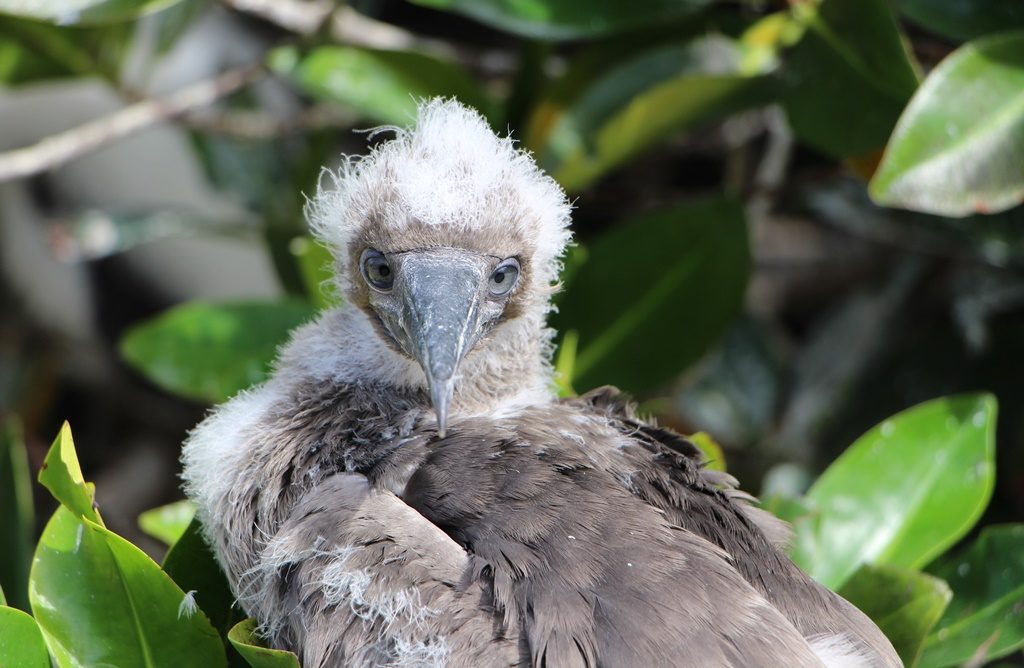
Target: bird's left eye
[[376, 270], [504, 277]]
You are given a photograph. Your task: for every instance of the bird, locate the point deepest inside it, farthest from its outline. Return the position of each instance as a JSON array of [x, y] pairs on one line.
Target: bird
[[407, 489]]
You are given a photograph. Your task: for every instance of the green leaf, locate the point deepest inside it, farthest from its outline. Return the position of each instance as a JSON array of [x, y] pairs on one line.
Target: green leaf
[[569, 19], [383, 86], [17, 515], [905, 491], [849, 77], [34, 51], [905, 604], [802, 516], [635, 104], [959, 146], [962, 20], [168, 523], [62, 475], [317, 268], [245, 639], [565, 363], [81, 12], [101, 601], [21, 641], [210, 352], [191, 565], [985, 621], [713, 455], [638, 333]]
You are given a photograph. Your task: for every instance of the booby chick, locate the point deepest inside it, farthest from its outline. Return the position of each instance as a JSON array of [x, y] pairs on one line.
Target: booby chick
[[406, 490]]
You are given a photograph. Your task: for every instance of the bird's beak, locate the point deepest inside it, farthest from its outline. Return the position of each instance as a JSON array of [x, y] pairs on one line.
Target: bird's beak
[[440, 302]]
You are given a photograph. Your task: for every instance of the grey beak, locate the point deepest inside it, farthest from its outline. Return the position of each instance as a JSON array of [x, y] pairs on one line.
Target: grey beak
[[441, 318]]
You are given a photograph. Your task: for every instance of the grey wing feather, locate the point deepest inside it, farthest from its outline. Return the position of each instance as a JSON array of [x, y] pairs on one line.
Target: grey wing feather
[[671, 477]]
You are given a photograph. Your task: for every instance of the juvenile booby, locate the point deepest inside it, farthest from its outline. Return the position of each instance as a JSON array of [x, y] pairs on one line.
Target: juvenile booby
[[406, 490]]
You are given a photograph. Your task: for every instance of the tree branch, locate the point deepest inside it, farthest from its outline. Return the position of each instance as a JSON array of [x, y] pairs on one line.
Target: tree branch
[[62, 147]]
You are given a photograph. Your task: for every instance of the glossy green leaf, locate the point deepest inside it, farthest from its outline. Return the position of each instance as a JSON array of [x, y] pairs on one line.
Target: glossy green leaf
[[959, 146], [317, 268], [964, 19], [192, 566], [168, 523], [904, 491], [905, 604], [101, 601], [802, 516], [17, 515], [211, 351], [383, 86], [986, 618], [3, 599], [21, 641], [81, 12], [569, 19], [849, 77], [245, 639], [637, 103], [62, 475], [638, 333]]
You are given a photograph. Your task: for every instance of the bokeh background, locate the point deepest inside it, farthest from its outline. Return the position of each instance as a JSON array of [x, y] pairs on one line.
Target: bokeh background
[[794, 219]]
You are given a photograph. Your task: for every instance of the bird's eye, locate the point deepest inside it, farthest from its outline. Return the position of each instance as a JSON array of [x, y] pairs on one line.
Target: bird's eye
[[376, 270], [504, 277]]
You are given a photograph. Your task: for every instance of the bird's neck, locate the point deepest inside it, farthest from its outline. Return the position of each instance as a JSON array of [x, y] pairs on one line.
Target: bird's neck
[[509, 369]]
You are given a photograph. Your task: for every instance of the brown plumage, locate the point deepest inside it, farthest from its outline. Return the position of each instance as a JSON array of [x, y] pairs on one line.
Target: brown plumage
[[406, 491]]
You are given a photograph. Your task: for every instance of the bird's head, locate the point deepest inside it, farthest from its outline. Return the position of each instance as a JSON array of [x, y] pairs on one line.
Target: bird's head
[[442, 235]]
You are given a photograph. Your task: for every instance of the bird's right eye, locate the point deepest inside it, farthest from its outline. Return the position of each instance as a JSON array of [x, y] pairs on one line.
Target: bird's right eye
[[376, 270]]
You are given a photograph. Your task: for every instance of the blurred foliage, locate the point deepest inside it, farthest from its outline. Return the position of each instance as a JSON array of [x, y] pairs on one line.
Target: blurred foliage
[[918, 102]]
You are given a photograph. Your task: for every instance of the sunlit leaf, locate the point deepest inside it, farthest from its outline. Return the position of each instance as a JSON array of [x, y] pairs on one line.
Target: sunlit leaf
[[192, 566], [17, 516], [959, 146], [383, 86], [905, 604], [567, 19], [62, 475], [244, 638], [905, 491], [317, 268], [801, 515], [21, 641], [101, 601], [638, 332], [985, 620], [81, 12], [168, 523], [849, 77], [964, 19], [637, 103], [211, 351]]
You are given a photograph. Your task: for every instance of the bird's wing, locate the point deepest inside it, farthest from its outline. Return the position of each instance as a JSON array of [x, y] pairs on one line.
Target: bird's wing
[[591, 574], [668, 473], [340, 571], [364, 580]]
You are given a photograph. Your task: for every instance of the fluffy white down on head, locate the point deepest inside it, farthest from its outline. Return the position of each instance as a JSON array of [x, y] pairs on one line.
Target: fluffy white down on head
[[448, 169]]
